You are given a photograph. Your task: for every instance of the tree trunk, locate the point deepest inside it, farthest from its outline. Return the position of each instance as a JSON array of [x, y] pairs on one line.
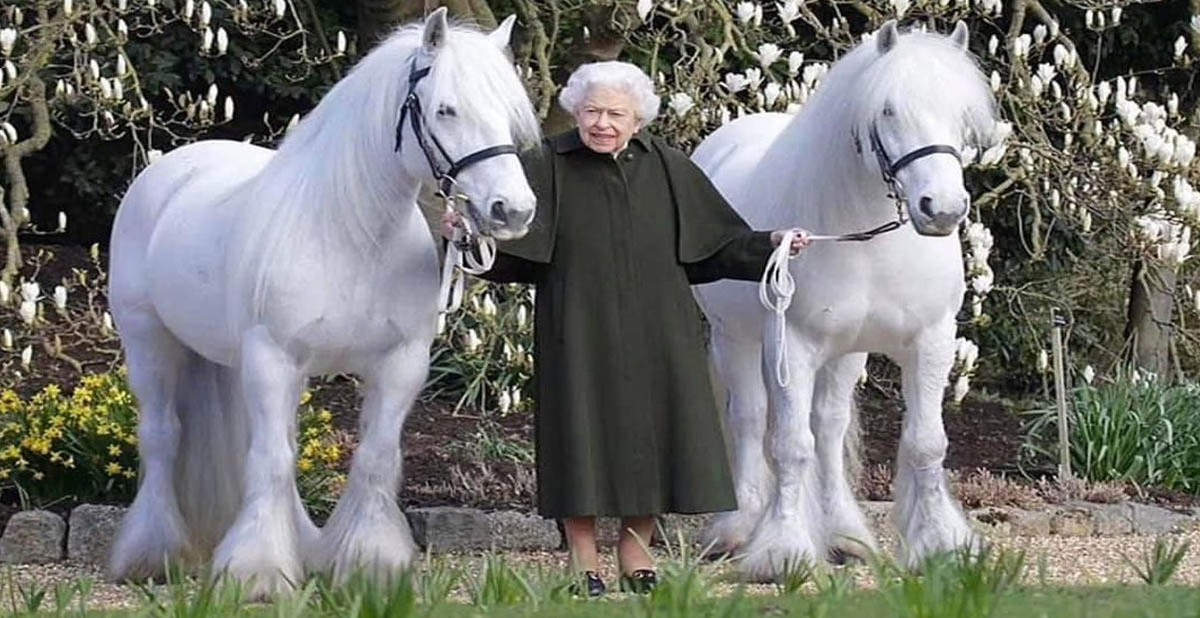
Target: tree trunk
[[1149, 330]]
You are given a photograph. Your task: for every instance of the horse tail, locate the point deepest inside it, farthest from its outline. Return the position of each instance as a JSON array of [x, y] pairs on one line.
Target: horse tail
[[213, 441]]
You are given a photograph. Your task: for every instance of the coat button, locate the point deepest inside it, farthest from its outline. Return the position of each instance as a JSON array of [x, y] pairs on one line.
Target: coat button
[[627, 157]]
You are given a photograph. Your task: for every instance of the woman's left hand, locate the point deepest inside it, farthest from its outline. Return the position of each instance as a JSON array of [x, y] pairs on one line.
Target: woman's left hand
[[800, 241]]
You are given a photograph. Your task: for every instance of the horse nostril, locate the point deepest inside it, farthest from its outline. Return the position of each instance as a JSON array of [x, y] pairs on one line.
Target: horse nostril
[[926, 206], [498, 212]]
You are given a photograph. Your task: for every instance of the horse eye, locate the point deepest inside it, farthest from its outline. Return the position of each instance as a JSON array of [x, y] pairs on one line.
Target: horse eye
[[446, 111]]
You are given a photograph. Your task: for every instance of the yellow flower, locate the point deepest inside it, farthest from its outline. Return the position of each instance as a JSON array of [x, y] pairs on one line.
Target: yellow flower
[[304, 464], [129, 474], [113, 468], [114, 450], [325, 416], [305, 397], [4, 472], [52, 391], [70, 462], [37, 476]]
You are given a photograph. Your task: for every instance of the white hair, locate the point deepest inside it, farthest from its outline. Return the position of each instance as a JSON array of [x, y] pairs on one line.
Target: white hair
[[618, 76]]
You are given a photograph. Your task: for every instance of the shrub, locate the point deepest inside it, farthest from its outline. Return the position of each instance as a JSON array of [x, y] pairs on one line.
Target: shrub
[[1130, 429], [83, 446]]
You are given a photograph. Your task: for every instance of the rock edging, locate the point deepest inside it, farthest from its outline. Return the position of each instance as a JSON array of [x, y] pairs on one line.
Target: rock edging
[[41, 536]]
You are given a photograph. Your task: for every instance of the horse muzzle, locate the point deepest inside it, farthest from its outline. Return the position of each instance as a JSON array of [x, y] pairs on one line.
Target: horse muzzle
[[929, 219]]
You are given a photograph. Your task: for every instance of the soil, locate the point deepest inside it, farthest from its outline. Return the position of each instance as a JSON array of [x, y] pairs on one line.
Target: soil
[[445, 462]]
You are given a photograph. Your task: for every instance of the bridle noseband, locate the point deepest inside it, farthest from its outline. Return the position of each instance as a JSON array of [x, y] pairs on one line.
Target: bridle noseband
[[446, 177], [888, 170]]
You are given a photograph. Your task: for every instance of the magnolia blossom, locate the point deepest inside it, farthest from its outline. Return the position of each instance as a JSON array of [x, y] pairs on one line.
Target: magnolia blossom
[[768, 54], [471, 340], [966, 353], [489, 305], [441, 323], [771, 93], [205, 13], [62, 221], [89, 33], [993, 43], [228, 108], [5, 293], [504, 402], [280, 8], [222, 41], [1039, 34], [521, 316], [789, 11], [60, 297], [7, 340], [8, 37], [341, 42], [26, 357], [643, 9], [961, 387], [1180, 47], [28, 311], [1089, 374], [735, 82], [680, 103], [206, 40], [30, 291], [1043, 361], [106, 322], [747, 11]]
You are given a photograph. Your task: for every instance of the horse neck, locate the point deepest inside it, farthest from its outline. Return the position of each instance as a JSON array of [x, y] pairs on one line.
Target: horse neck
[[339, 179]]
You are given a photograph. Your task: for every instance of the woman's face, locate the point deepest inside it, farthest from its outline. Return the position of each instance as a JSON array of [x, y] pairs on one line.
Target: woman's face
[[607, 119]]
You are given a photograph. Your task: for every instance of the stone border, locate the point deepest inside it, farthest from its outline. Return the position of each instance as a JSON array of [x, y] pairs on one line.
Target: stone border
[[41, 536]]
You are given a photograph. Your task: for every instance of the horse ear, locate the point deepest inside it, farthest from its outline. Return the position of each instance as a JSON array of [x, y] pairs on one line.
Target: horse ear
[[503, 33], [887, 36], [435, 30], [961, 36]]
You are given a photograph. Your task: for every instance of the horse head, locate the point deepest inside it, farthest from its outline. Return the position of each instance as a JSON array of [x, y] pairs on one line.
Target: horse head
[[463, 113], [925, 102]]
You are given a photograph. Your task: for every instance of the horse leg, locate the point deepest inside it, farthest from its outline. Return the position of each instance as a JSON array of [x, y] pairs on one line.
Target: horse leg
[[153, 532], [927, 517], [738, 368], [261, 549], [367, 529], [790, 530], [846, 529]]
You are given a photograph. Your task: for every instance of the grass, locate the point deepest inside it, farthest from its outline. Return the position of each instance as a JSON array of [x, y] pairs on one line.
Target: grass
[[966, 584]]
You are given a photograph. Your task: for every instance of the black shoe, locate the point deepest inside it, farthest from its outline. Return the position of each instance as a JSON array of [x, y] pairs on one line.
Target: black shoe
[[641, 581], [591, 585]]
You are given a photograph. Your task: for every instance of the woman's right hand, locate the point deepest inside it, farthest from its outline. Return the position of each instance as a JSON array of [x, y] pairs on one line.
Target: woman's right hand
[[450, 220]]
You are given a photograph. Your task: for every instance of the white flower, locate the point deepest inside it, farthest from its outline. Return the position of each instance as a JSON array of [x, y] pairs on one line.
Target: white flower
[[746, 11], [106, 91], [900, 7], [643, 8], [812, 73], [60, 297], [1122, 157], [1180, 47], [1085, 221], [7, 340], [280, 8], [189, 9], [228, 108], [768, 54], [515, 397], [504, 402], [1039, 34], [295, 120], [993, 44], [1061, 55], [5, 293], [489, 306], [472, 340], [961, 387], [795, 61], [1103, 91], [30, 291], [89, 33], [222, 41], [94, 69], [788, 11], [68, 7], [982, 283], [735, 82], [995, 81], [206, 40], [1036, 86], [1195, 23], [341, 42], [753, 78], [211, 94], [967, 354], [1116, 15], [26, 356], [8, 37], [441, 323], [1046, 72], [1089, 374], [680, 103], [1043, 361], [771, 93], [28, 311], [521, 316], [205, 13]]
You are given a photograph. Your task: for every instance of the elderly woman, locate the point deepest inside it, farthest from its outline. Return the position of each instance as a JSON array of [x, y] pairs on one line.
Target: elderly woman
[[626, 424]]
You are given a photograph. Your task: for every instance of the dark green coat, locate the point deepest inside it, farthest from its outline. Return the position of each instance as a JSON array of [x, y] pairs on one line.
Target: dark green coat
[[626, 423]]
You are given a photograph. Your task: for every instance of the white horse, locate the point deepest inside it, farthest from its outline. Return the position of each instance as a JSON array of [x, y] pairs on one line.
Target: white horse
[[238, 272], [890, 117]]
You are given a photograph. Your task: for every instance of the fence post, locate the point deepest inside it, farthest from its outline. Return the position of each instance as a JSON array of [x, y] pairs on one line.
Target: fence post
[[1057, 322]]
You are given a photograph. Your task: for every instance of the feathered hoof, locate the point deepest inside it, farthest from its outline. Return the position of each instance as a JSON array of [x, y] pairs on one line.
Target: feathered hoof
[[727, 533], [930, 542], [152, 540], [376, 545], [778, 549]]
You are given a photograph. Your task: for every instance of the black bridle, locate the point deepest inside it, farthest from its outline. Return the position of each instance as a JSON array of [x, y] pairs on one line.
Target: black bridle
[[888, 170], [446, 177]]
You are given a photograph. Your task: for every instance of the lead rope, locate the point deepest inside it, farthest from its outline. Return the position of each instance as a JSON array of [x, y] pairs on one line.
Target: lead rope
[[461, 260], [777, 280]]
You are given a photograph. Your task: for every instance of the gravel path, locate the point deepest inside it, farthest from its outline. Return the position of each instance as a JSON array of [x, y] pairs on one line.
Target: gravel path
[[1071, 561]]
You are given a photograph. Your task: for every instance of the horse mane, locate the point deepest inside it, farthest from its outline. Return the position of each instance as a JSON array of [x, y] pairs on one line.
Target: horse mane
[[924, 73], [336, 178]]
